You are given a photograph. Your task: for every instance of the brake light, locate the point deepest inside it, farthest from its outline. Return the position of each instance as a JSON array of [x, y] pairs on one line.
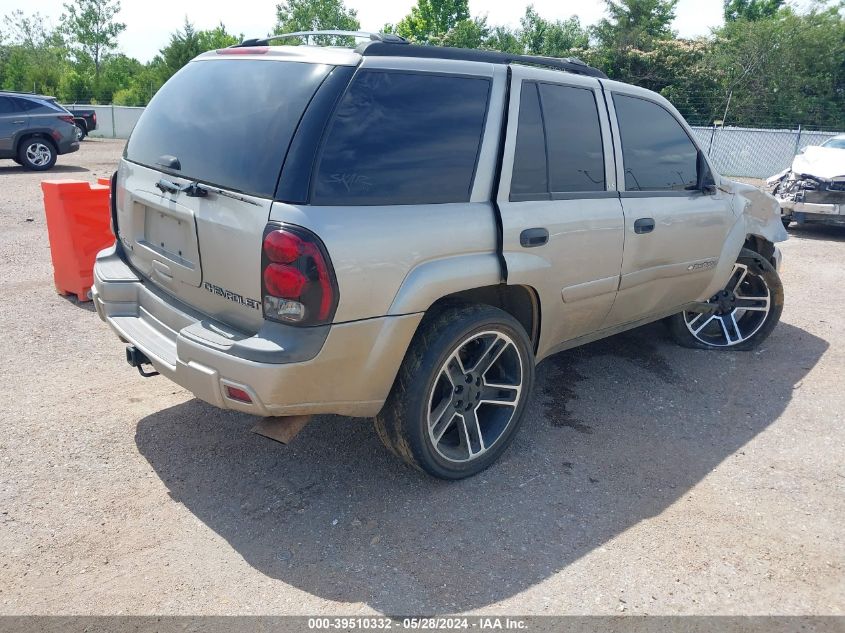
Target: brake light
[[66, 118], [298, 282], [94, 116], [284, 281], [243, 50]]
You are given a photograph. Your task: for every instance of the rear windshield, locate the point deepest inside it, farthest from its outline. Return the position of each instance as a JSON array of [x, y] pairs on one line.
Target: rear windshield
[[228, 122]]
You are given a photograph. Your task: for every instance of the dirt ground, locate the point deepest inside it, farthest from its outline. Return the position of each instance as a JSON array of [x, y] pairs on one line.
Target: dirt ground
[[647, 478]]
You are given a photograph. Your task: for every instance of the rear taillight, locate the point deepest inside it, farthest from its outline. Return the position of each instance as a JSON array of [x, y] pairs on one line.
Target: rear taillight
[[297, 280], [67, 118], [94, 117], [113, 204]]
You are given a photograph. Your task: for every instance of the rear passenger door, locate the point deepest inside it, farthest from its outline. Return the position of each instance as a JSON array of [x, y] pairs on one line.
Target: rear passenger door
[[561, 216], [674, 233], [11, 121]]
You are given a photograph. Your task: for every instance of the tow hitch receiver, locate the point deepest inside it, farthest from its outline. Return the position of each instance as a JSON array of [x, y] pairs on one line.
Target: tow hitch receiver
[[281, 429], [136, 358]]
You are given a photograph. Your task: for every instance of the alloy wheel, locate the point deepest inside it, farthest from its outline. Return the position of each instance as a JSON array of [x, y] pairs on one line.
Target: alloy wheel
[[475, 396], [739, 310], [39, 154]]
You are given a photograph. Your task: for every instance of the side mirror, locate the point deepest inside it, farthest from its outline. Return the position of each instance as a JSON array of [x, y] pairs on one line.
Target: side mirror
[[705, 183]]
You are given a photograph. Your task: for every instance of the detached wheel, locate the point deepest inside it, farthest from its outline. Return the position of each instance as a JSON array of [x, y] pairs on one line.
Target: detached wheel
[[460, 393], [81, 132], [37, 154], [744, 313]]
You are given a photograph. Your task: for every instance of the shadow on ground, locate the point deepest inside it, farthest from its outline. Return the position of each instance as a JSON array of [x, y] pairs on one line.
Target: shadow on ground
[[616, 432], [823, 232], [12, 168]]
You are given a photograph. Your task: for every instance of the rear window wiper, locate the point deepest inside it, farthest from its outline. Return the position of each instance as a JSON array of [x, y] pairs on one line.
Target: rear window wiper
[[192, 189], [196, 190]]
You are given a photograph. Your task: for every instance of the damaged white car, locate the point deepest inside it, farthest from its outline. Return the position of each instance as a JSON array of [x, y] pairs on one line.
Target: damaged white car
[[813, 189]]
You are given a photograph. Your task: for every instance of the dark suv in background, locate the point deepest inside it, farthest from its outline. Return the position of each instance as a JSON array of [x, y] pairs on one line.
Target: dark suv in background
[[34, 130]]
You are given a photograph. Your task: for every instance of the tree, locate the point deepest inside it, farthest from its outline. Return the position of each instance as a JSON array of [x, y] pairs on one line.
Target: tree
[[783, 70], [92, 29], [503, 39], [33, 56], [430, 20], [632, 29], [636, 23], [187, 43], [467, 34], [751, 9], [552, 39], [316, 15]]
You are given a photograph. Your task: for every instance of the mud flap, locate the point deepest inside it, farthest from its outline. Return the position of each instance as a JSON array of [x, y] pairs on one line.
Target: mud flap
[[281, 429]]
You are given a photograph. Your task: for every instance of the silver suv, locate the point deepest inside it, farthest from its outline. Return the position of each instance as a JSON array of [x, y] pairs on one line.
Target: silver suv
[[403, 232]]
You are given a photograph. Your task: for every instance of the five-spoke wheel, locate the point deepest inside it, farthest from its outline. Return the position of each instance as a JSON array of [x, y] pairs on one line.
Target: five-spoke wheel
[[740, 315], [474, 398], [37, 154], [461, 391]]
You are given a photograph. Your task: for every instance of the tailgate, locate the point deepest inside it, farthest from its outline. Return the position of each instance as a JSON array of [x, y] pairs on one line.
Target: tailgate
[[223, 123], [206, 251]]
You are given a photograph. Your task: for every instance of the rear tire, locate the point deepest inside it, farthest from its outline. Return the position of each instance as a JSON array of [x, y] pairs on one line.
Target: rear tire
[[81, 132], [460, 393], [37, 154], [747, 309]]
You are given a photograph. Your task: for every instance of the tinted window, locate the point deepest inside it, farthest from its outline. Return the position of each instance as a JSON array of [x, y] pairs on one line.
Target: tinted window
[[558, 142], [835, 143], [656, 151], [530, 175], [28, 105], [6, 105], [403, 138], [573, 138], [229, 122]]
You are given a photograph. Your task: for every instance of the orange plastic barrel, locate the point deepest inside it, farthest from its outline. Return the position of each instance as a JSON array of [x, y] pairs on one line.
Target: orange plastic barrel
[[78, 226]]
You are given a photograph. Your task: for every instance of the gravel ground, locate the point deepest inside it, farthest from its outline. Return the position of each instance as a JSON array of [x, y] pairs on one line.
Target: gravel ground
[[647, 478]]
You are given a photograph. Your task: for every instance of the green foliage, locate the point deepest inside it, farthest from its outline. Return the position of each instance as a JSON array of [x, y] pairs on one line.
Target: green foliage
[[635, 23], [431, 20], [91, 29], [552, 39], [187, 43], [33, 56], [751, 9], [774, 65], [783, 70], [316, 15]]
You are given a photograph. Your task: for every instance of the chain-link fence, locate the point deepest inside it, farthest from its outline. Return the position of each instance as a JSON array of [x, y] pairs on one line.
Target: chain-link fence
[[755, 152]]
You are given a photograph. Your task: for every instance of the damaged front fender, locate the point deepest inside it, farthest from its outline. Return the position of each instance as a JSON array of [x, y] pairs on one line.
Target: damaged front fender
[[758, 210]]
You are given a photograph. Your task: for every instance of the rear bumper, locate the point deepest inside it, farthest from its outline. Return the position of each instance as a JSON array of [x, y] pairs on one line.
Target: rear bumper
[[68, 146], [347, 368]]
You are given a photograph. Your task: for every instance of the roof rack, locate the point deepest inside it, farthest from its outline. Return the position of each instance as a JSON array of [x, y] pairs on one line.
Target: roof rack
[[383, 48], [365, 35], [385, 45]]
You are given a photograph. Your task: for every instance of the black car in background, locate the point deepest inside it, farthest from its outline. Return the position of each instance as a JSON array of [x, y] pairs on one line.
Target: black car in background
[[34, 130], [85, 120]]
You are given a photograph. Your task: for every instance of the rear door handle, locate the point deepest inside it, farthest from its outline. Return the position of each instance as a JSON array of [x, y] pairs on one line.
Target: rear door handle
[[533, 237], [18, 122], [644, 225]]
